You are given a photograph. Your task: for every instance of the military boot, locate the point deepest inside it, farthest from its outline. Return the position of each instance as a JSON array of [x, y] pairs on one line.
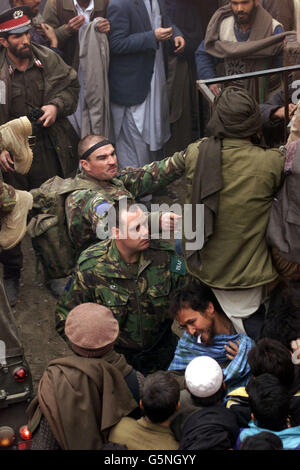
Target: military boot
[[13, 225], [14, 138]]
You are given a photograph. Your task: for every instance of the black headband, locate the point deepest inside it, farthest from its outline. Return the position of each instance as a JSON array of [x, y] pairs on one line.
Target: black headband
[[95, 147]]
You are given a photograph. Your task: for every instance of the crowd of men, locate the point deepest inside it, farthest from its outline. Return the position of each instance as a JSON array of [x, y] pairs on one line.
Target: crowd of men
[[186, 341]]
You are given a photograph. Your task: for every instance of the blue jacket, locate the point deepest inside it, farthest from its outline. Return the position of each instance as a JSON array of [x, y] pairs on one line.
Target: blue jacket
[[132, 50], [290, 437]]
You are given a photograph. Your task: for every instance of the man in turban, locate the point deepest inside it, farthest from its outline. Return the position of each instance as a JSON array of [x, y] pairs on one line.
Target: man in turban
[[235, 180]]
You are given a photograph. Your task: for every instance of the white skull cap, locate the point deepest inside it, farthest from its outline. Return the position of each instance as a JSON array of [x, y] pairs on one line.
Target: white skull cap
[[203, 376]]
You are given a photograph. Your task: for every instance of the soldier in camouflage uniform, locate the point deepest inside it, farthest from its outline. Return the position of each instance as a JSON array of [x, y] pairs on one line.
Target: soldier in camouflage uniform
[[86, 208], [134, 278]]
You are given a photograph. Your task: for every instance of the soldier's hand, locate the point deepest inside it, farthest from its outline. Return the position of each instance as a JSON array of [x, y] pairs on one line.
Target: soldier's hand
[[103, 26], [75, 23], [49, 116], [169, 220], [163, 34], [6, 162]]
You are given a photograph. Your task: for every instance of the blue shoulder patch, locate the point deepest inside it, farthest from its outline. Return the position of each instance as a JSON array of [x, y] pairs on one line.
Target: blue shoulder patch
[[102, 208]]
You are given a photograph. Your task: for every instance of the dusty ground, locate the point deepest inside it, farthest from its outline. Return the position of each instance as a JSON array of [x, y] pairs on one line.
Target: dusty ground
[[34, 312]]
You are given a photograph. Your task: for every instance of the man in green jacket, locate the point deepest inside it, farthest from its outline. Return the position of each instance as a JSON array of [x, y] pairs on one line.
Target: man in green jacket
[[236, 181], [35, 82], [134, 277]]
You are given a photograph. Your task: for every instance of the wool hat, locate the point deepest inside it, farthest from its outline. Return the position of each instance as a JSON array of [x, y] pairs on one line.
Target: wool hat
[[203, 376], [91, 329], [15, 20]]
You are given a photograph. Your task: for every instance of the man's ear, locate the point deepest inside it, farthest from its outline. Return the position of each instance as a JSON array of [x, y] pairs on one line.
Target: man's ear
[[3, 42], [84, 164], [253, 417], [141, 405], [210, 310]]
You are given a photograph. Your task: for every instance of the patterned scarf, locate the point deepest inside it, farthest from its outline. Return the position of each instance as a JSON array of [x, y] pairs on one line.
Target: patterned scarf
[[237, 372]]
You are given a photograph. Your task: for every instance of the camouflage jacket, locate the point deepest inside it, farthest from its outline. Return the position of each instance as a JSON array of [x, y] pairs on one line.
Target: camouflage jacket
[[138, 294], [85, 208], [7, 199]]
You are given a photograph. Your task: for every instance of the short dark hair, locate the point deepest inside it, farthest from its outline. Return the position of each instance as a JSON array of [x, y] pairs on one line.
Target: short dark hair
[[160, 396], [262, 441], [195, 296], [283, 317], [270, 356], [269, 401], [12, 3]]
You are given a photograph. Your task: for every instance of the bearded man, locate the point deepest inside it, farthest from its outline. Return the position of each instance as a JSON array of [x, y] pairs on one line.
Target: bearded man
[[208, 332], [35, 82], [245, 38]]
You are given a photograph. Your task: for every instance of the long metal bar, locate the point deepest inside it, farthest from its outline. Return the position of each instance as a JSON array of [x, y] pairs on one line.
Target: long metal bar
[[203, 85], [244, 76]]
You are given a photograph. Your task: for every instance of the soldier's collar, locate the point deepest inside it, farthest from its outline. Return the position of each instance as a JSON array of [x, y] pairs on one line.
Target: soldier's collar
[[34, 61], [115, 255]]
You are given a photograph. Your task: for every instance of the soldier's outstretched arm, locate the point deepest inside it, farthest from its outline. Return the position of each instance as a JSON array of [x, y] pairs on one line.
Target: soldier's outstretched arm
[[158, 174], [154, 176]]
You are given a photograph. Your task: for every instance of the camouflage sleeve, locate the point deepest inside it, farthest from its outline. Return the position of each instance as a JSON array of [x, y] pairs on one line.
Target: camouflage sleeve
[[95, 212], [7, 198], [76, 292], [152, 177]]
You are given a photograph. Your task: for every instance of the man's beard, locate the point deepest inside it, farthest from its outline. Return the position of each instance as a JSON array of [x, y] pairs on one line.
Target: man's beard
[[24, 53], [209, 334], [247, 18]]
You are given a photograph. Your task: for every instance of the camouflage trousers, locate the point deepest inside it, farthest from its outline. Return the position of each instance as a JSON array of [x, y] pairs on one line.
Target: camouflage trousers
[[7, 198]]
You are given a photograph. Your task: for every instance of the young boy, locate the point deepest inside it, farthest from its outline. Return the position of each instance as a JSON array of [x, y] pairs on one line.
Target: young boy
[[269, 403], [160, 399]]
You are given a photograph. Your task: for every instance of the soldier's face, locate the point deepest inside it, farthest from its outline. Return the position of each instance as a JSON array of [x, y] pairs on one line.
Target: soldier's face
[[244, 10], [198, 323], [102, 163], [133, 232], [18, 45]]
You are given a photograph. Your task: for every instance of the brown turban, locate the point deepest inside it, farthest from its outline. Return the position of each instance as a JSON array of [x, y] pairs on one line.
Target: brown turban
[[236, 115]]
